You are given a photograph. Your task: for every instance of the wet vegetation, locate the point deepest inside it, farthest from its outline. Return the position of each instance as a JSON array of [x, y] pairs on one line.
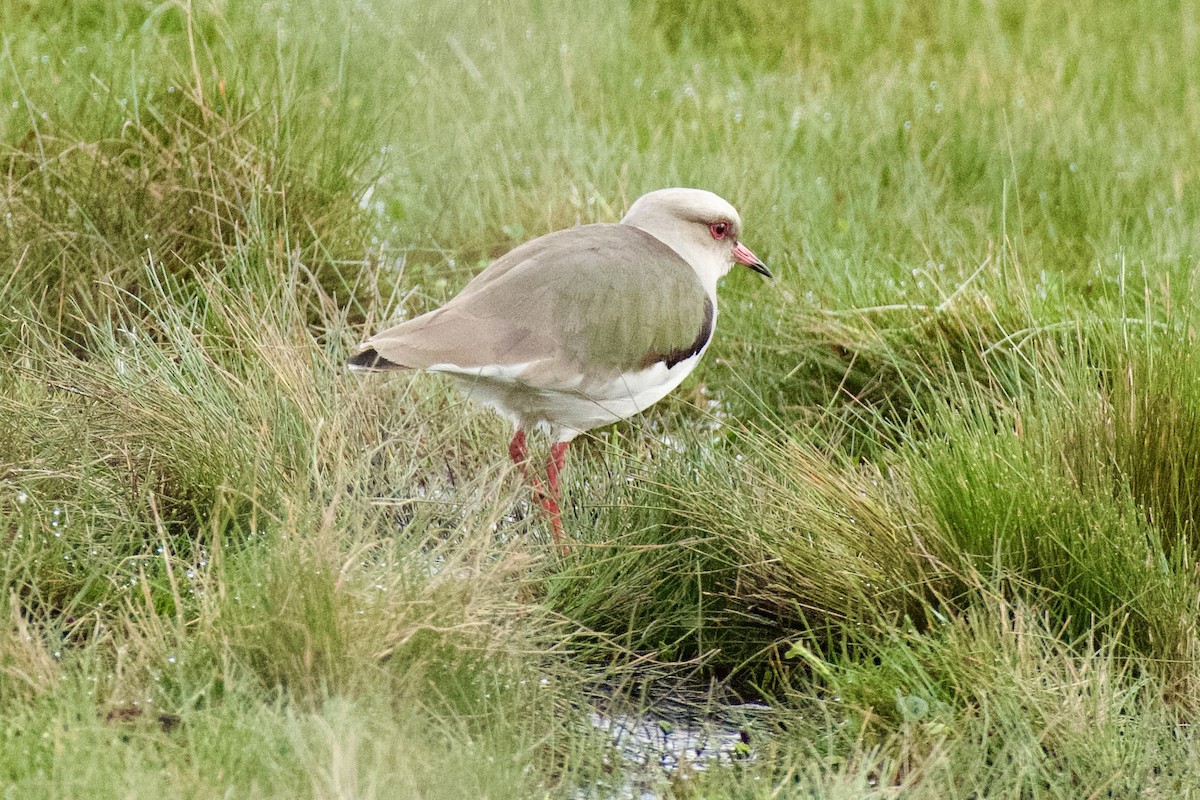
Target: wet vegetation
[[931, 500]]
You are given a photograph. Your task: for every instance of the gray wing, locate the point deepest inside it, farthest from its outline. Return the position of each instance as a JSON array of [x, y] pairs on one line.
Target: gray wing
[[597, 300]]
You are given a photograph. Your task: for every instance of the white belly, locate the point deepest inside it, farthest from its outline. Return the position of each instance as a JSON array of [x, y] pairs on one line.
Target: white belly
[[563, 414]]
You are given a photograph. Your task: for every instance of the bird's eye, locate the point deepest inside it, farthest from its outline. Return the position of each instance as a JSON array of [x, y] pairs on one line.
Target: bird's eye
[[719, 229]]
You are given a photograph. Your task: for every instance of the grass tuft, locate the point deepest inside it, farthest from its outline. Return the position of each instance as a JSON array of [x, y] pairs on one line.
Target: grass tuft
[[929, 496]]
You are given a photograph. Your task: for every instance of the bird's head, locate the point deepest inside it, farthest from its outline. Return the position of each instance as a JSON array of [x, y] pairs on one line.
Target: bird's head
[[700, 226]]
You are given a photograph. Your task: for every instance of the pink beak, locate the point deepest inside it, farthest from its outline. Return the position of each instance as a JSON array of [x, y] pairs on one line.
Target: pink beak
[[742, 255]]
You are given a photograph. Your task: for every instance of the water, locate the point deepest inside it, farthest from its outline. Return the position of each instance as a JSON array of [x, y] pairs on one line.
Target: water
[[674, 739]]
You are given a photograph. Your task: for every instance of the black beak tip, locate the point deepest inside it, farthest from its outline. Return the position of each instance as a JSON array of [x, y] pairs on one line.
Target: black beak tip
[[761, 269]]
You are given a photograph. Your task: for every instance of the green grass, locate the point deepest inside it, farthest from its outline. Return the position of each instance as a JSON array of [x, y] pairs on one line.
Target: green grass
[[931, 496]]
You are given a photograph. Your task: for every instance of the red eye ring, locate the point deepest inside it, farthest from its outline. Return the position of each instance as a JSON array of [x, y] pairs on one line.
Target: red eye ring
[[718, 229]]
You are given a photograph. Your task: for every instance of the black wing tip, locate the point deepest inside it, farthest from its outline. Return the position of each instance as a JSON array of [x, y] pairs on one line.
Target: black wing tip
[[370, 359]]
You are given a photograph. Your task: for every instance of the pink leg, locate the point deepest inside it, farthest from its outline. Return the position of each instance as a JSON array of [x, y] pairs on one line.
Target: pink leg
[[519, 454], [549, 501], [554, 464], [517, 451]]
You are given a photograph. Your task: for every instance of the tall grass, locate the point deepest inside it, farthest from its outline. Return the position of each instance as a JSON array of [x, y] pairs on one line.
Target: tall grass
[[929, 497]]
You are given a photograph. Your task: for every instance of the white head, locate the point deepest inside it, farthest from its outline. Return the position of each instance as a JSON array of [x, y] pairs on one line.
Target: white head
[[700, 226]]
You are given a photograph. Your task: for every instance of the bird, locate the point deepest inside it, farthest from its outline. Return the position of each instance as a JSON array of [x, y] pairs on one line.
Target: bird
[[581, 327]]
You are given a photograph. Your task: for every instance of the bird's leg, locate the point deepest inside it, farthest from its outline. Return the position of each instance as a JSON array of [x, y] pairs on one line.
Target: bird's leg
[[549, 501], [554, 464], [518, 453], [547, 496], [550, 506]]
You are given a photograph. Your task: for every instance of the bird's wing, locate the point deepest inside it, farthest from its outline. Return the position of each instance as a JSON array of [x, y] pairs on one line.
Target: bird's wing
[[569, 309]]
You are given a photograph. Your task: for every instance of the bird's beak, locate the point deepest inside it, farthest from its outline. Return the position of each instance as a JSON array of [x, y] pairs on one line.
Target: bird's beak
[[742, 255]]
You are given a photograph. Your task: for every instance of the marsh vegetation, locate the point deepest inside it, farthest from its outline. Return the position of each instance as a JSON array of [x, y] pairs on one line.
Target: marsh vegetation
[[931, 499]]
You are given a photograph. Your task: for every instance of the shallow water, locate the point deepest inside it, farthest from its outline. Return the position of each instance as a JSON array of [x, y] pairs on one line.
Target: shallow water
[[672, 740]]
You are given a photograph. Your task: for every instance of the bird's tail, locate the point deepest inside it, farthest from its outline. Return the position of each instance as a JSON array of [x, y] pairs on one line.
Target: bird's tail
[[370, 360]]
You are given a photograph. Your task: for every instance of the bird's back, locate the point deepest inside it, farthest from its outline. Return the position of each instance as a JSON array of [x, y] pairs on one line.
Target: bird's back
[[596, 299]]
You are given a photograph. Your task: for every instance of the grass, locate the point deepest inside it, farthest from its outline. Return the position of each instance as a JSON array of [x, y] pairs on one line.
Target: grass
[[930, 496]]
